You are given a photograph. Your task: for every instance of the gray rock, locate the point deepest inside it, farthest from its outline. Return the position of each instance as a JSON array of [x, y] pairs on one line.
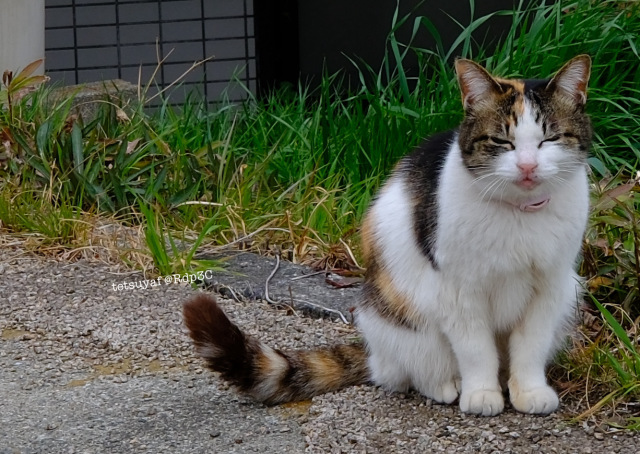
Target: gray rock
[[89, 97]]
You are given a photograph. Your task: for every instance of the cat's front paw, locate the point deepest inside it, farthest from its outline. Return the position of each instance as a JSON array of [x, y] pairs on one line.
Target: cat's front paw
[[539, 401], [483, 402], [446, 393]]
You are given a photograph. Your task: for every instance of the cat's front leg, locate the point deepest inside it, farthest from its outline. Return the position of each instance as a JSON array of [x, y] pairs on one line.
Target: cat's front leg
[[475, 349], [532, 344], [529, 347]]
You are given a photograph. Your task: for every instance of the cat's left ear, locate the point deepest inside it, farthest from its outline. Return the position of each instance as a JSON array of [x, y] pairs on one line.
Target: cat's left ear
[[571, 81]]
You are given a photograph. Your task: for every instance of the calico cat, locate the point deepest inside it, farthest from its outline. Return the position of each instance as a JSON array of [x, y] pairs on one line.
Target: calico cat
[[470, 250]]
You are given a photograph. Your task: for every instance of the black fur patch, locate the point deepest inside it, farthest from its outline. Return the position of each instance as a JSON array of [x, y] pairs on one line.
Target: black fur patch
[[421, 171], [534, 85], [224, 347]]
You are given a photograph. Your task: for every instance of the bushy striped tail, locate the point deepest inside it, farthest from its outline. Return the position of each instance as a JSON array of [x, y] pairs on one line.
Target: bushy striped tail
[[267, 374]]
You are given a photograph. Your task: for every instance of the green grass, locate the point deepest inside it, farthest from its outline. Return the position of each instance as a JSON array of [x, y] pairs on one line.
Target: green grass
[[298, 168], [612, 245], [271, 155], [32, 212]]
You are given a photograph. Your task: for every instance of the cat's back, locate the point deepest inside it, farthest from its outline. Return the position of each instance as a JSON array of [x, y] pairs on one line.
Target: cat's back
[[422, 167]]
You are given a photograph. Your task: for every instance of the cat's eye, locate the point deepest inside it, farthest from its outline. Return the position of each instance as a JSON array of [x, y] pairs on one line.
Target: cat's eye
[[551, 139], [501, 142]]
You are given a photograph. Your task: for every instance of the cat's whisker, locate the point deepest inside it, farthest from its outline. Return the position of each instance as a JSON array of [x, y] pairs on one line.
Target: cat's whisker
[[484, 171], [486, 189], [492, 187], [502, 193], [500, 186], [482, 177], [558, 181]]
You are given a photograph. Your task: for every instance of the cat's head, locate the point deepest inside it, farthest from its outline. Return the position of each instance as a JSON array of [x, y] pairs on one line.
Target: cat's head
[[524, 136]]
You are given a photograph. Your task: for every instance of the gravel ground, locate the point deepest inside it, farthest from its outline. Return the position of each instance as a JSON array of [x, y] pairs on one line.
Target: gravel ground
[[87, 369]]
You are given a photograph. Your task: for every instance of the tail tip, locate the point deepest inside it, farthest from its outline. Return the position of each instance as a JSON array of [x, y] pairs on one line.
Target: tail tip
[[213, 334], [203, 318], [200, 307]]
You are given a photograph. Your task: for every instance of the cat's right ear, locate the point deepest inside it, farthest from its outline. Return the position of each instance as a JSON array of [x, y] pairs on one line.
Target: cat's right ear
[[475, 82]]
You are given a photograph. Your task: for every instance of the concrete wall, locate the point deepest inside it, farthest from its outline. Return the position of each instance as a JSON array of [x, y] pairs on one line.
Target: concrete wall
[[89, 40], [21, 33]]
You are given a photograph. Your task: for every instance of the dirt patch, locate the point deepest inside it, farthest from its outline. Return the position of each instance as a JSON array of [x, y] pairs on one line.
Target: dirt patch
[[13, 334]]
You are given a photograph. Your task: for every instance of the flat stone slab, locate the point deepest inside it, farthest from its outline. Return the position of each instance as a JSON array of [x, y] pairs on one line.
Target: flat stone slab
[[303, 289]]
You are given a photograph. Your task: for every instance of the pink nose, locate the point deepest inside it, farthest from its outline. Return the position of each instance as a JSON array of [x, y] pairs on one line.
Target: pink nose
[[527, 168]]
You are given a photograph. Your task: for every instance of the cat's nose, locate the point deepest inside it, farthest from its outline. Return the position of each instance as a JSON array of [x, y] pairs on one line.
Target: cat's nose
[[527, 168]]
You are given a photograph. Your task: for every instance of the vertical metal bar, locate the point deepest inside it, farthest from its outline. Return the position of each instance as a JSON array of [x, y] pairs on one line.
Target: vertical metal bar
[[205, 80], [161, 43], [118, 49], [75, 43], [246, 44]]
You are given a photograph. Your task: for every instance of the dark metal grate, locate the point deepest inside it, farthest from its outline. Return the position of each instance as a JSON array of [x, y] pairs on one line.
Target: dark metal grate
[[89, 40]]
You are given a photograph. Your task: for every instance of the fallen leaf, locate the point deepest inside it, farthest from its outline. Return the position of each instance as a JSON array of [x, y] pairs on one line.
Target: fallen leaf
[[122, 116], [596, 282], [344, 282], [131, 146]]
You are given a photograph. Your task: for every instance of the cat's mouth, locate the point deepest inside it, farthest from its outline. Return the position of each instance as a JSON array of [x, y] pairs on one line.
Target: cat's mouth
[[535, 204], [528, 183]]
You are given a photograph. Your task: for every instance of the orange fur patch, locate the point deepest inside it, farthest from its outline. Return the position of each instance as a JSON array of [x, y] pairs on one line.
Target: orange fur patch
[[397, 303], [386, 298], [324, 371], [367, 238], [518, 86], [269, 363]]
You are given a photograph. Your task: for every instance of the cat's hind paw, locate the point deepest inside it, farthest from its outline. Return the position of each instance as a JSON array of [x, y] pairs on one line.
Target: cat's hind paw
[[538, 401], [483, 402]]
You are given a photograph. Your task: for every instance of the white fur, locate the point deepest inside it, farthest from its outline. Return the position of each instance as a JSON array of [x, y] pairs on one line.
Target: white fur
[[270, 378], [573, 81], [501, 272]]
